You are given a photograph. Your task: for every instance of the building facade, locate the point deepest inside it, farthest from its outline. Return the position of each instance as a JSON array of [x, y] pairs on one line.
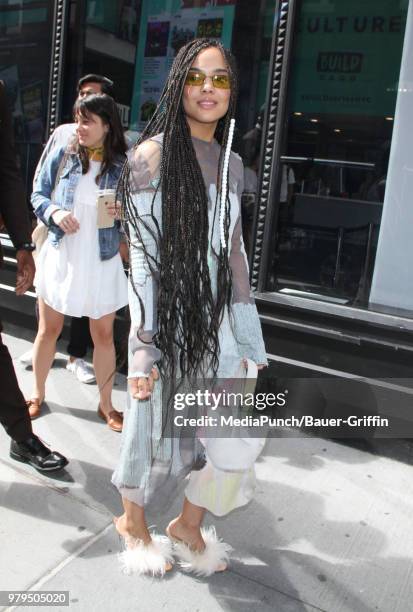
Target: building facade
[[323, 125]]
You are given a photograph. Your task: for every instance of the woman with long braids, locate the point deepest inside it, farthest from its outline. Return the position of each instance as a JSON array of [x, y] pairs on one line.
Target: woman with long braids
[[191, 311]]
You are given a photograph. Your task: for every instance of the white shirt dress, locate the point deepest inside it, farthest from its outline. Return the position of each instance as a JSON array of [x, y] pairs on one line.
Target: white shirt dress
[[72, 279]]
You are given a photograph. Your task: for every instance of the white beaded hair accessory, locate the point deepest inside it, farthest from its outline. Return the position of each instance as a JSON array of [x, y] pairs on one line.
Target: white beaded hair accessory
[[224, 188]]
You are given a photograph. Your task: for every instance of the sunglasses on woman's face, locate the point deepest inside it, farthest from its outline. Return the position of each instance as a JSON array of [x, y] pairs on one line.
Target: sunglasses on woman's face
[[196, 78]]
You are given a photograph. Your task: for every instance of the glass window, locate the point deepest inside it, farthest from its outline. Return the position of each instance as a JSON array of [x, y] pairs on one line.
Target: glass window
[[244, 27], [342, 93], [166, 26], [25, 42], [134, 43], [102, 40]]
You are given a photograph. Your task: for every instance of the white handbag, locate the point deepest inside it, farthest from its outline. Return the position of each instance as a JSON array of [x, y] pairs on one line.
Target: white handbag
[[237, 453]]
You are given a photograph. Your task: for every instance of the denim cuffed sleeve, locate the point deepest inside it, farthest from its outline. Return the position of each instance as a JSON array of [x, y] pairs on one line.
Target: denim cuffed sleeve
[[43, 187], [247, 326], [143, 249], [248, 333]]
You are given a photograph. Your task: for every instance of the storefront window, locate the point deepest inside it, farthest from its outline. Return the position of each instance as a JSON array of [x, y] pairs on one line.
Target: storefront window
[[25, 42], [342, 95], [165, 27], [110, 46], [119, 18], [244, 27], [134, 43]]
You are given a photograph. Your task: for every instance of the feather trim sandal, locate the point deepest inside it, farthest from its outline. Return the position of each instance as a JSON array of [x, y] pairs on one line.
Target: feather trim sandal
[[214, 558], [152, 559]]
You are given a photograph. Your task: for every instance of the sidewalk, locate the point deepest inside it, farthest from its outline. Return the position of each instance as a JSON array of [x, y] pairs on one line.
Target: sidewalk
[[330, 528]]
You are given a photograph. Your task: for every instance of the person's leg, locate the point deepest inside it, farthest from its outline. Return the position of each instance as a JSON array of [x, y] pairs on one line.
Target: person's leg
[[79, 342], [202, 553], [27, 357], [14, 415], [80, 338], [187, 526], [132, 522], [25, 446], [50, 326], [144, 553], [104, 359]]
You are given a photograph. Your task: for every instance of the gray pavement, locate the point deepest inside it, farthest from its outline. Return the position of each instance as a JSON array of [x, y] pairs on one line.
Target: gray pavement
[[329, 529]]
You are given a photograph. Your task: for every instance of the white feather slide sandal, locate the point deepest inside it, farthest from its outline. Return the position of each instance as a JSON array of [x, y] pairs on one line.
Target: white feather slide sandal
[[154, 559], [213, 559]]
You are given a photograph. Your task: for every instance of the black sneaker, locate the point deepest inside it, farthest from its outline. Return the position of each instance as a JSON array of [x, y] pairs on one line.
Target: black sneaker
[[36, 454]]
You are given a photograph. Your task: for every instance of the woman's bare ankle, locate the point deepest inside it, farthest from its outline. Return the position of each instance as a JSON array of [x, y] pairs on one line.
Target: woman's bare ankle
[[36, 394], [189, 533], [127, 527], [105, 407]]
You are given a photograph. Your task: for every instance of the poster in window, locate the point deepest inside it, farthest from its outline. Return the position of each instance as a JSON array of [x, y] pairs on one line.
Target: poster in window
[[165, 28], [347, 60]]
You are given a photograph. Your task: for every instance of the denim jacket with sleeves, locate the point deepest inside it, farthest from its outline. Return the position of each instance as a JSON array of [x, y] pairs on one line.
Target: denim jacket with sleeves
[[109, 238]]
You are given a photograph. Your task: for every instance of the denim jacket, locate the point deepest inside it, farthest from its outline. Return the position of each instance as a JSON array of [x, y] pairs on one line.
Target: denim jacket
[[109, 238]]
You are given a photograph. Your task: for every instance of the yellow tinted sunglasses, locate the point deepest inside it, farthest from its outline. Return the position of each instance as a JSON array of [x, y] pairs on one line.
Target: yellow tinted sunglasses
[[196, 78]]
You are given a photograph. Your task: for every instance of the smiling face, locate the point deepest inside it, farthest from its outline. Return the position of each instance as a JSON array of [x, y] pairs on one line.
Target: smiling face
[[91, 130], [205, 104]]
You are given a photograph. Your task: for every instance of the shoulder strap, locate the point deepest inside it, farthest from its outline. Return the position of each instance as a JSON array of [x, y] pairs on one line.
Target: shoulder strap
[[60, 170]]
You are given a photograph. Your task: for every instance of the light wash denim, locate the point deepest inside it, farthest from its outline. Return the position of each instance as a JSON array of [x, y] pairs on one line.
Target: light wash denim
[[43, 186]]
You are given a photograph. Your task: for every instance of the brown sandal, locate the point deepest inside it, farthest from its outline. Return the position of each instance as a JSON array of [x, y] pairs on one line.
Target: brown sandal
[[34, 406], [114, 419]]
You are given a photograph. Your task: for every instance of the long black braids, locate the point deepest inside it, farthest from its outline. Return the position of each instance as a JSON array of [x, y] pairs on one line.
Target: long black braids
[[188, 315]]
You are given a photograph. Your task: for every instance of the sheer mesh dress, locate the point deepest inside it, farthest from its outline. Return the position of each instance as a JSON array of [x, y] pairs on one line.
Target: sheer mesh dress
[[152, 466]]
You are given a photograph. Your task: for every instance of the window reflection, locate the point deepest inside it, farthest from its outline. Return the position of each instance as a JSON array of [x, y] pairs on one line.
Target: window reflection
[[26, 38], [341, 103], [134, 43]]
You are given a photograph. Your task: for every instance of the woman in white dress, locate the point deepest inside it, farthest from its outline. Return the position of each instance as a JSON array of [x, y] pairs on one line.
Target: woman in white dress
[[79, 269]]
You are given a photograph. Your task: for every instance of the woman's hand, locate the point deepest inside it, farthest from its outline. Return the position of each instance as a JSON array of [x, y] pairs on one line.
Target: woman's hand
[[141, 388], [260, 366], [114, 209], [66, 221], [25, 271]]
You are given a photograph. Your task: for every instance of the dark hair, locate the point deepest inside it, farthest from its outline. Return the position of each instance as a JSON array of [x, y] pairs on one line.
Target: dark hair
[[188, 314], [114, 145], [106, 85]]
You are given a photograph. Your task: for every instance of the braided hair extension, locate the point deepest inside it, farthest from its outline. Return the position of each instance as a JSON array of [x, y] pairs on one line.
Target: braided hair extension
[[188, 315]]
